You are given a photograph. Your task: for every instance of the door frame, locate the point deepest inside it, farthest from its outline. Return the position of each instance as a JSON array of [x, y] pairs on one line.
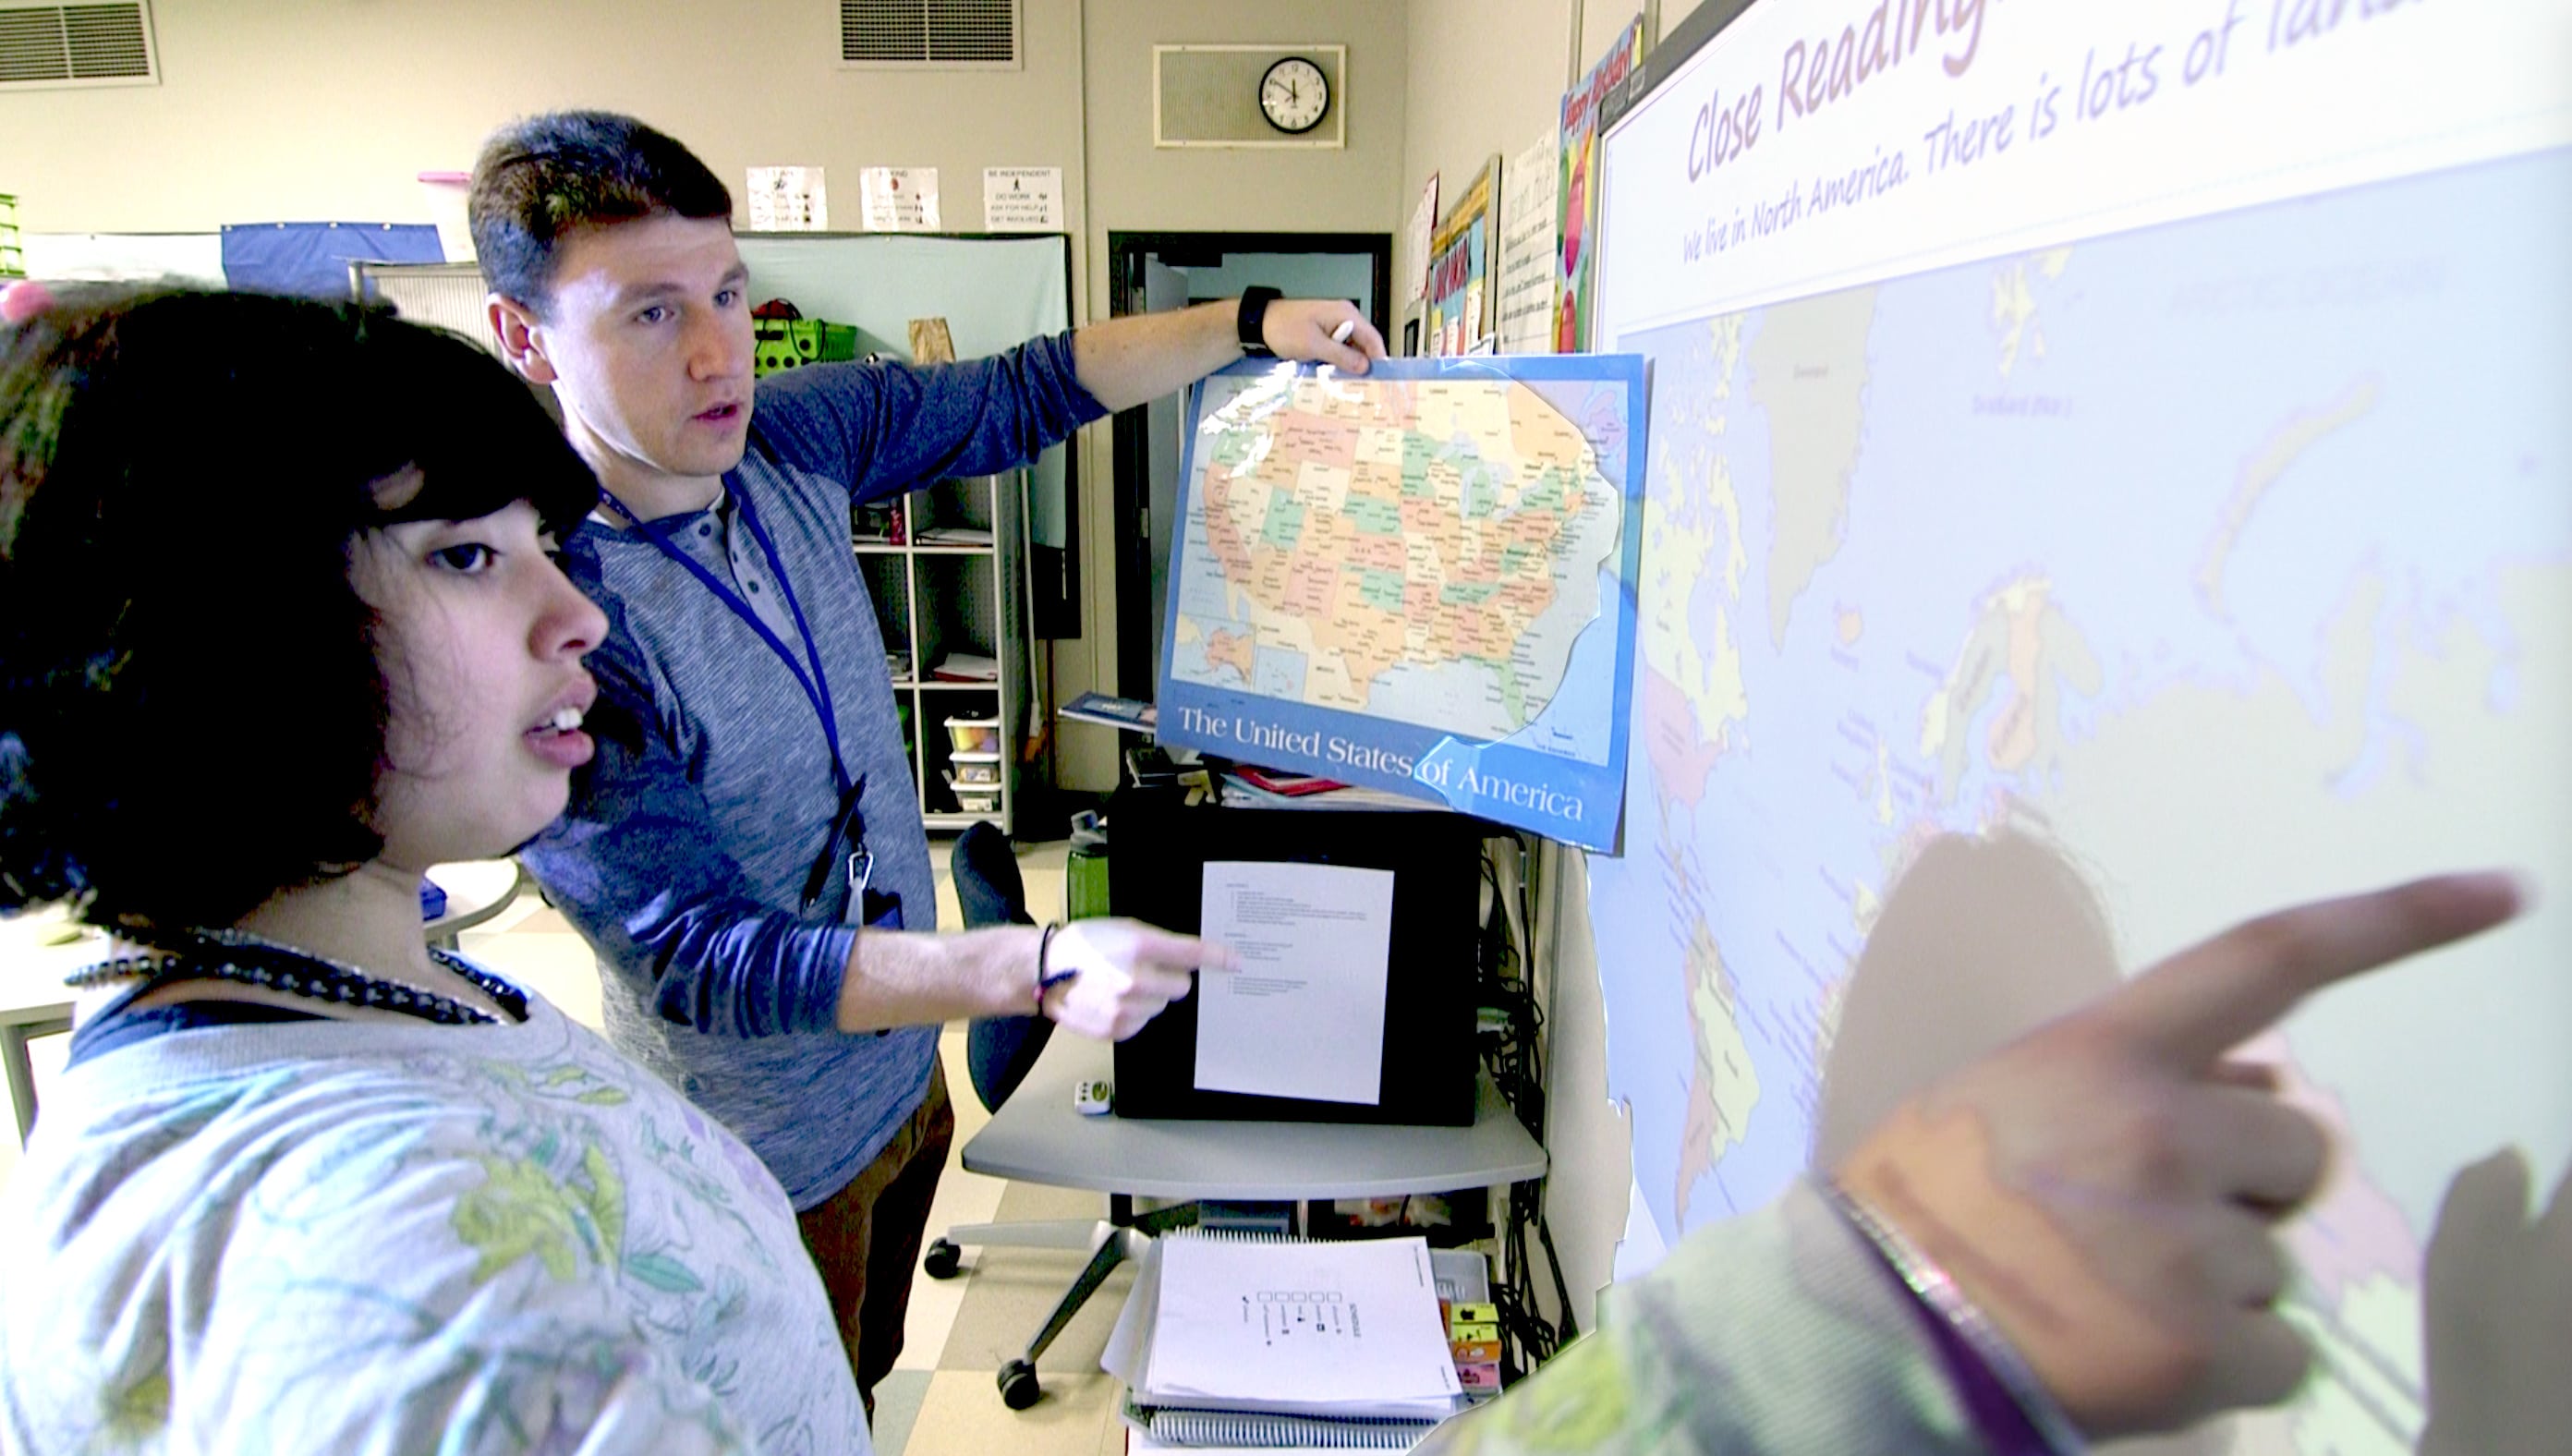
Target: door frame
[[1129, 489]]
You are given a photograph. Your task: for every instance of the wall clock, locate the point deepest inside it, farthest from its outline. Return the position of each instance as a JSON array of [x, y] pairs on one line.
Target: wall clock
[[1294, 95]]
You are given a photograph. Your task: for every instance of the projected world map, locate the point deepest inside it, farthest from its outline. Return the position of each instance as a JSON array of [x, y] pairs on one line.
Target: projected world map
[[2005, 625]]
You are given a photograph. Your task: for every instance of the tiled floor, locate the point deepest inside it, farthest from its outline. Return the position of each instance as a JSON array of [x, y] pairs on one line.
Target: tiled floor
[[942, 1399]]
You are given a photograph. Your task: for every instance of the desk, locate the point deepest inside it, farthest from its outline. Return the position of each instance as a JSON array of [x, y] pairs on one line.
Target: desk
[[35, 1003], [476, 890], [1037, 1135], [33, 1000]]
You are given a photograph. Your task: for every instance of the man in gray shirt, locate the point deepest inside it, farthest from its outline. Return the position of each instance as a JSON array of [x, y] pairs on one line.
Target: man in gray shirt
[[746, 853]]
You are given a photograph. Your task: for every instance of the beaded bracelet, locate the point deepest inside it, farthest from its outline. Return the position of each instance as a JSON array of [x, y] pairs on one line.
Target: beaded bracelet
[[2020, 1416], [1047, 980]]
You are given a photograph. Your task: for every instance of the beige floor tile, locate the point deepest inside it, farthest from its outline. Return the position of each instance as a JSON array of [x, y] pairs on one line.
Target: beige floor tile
[[557, 964], [961, 1415], [962, 1198], [1013, 1290]]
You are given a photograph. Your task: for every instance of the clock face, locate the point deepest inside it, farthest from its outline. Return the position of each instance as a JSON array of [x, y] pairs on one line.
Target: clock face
[[1294, 95]]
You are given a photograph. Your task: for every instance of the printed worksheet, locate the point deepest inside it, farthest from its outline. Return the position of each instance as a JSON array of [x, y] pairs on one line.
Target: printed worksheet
[[1350, 1327], [1304, 1016]]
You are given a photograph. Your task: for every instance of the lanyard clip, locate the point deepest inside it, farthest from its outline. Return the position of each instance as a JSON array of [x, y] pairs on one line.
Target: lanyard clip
[[862, 871]]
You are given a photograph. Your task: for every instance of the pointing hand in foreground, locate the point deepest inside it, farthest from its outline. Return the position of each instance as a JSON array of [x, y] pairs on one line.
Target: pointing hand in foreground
[[2106, 1189]]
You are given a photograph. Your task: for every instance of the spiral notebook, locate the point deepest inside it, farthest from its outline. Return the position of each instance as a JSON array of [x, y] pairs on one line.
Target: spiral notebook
[[1261, 1341], [1197, 1430]]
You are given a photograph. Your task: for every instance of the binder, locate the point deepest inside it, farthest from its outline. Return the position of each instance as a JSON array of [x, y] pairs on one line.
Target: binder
[[1309, 1425]]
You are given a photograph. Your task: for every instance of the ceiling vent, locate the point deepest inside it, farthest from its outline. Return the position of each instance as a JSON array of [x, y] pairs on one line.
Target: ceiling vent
[[49, 46], [930, 35]]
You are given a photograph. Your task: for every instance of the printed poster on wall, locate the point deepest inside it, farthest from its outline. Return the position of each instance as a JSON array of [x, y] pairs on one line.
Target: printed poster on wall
[[1576, 216], [1527, 257], [899, 199], [1460, 255], [1416, 235], [788, 200], [1023, 200]]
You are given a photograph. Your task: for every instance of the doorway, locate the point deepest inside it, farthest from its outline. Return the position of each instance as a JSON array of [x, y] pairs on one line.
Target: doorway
[[1150, 272]]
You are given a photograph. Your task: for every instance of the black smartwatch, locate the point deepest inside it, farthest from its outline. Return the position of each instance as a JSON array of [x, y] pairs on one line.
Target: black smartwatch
[[1254, 317]]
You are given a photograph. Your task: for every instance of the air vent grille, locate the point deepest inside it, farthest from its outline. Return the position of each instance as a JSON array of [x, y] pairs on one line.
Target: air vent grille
[[76, 45], [930, 34]]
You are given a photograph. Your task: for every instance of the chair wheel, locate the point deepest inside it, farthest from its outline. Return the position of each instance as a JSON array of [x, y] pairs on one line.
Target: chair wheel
[[943, 1260], [1019, 1388]]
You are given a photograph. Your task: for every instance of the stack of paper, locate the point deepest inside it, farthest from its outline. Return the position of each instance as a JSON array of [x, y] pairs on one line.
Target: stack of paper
[[966, 668], [1110, 711], [1268, 1342], [1240, 792]]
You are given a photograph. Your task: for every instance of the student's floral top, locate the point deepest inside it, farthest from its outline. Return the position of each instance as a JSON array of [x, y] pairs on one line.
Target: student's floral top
[[317, 1236]]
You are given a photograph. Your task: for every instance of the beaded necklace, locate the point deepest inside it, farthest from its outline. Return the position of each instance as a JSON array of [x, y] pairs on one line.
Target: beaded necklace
[[246, 960]]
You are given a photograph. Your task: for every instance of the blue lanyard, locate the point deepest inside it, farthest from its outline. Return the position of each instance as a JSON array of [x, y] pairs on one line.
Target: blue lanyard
[[815, 684]]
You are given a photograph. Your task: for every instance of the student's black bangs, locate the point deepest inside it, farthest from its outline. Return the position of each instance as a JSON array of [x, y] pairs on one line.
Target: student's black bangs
[[477, 437]]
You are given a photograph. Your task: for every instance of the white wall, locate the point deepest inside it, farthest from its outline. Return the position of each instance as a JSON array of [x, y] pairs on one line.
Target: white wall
[[1486, 76], [302, 110], [306, 110]]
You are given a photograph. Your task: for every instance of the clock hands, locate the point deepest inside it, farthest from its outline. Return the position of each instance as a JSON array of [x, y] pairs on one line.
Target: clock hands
[[1292, 105]]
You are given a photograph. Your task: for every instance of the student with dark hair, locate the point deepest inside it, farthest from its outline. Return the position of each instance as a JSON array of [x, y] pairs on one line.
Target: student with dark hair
[[275, 634], [307, 1185], [747, 855]]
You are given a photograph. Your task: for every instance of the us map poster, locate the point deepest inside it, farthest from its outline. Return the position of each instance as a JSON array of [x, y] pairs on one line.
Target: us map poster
[[1418, 581]]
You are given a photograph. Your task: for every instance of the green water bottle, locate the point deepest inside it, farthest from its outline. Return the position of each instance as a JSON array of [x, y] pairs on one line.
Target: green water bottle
[[1084, 870]]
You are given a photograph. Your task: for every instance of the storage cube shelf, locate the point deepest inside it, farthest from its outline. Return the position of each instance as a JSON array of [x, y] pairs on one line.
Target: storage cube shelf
[[945, 568]]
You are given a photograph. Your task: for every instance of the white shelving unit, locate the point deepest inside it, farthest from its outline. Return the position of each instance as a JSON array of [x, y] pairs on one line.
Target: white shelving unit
[[955, 585]]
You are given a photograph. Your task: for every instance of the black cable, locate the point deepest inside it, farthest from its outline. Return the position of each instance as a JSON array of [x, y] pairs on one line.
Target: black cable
[[1513, 1053]]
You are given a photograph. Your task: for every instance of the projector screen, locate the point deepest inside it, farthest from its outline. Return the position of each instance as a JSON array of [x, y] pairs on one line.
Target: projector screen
[[2111, 474]]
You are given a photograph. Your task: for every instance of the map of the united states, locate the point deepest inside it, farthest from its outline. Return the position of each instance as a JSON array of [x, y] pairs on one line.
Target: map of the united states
[[1421, 550]]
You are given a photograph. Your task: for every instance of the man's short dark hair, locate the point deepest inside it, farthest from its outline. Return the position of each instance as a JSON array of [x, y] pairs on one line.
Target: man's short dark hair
[[192, 713], [549, 176]]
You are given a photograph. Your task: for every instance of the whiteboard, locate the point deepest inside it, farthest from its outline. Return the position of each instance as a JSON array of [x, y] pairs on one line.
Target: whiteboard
[[2110, 478]]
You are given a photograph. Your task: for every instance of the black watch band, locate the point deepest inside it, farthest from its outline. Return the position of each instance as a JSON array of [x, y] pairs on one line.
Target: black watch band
[[1254, 317]]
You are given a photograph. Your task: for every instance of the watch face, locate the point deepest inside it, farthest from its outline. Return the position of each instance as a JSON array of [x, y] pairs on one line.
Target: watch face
[[1294, 95]]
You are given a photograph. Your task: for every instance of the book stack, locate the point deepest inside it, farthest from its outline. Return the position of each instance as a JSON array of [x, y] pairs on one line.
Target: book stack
[[1474, 1342], [1246, 787], [1110, 711], [1272, 1343], [966, 668]]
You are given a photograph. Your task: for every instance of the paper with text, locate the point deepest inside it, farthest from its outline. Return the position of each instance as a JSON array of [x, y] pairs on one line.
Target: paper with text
[[1304, 1016], [1527, 241], [788, 200], [1414, 243], [1023, 200], [899, 199], [1351, 1325]]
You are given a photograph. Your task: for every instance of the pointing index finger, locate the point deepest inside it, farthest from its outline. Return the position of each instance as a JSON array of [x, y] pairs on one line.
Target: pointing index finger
[[2218, 993], [1172, 951]]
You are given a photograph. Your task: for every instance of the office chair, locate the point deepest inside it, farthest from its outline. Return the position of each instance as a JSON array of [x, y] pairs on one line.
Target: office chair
[[999, 1052]]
